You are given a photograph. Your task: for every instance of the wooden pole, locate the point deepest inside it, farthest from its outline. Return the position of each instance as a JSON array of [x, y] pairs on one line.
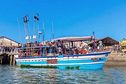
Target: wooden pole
[[1, 60], [13, 60], [10, 59]]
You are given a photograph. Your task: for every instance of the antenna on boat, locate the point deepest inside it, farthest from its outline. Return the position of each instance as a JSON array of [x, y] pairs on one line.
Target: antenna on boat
[[36, 19], [19, 29], [25, 18], [94, 42], [40, 32], [43, 27], [52, 30], [94, 36]]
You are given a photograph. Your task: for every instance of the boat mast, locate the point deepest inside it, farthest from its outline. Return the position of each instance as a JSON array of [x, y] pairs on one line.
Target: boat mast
[[19, 29], [39, 31], [36, 19], [52, 30], [94, 42], [26, 28], [93, 36], [43, 27]]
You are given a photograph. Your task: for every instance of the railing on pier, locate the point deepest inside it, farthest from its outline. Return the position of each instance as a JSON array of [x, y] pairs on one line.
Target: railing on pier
[[9, 51]]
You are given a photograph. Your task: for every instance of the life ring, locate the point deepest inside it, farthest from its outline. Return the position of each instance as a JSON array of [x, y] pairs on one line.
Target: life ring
[[94, 59]]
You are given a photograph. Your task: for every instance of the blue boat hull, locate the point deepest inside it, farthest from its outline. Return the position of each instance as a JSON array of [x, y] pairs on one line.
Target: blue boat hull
[[86, 61]]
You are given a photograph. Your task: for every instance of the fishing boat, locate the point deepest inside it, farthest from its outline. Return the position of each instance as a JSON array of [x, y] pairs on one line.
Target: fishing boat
[[63, 53]]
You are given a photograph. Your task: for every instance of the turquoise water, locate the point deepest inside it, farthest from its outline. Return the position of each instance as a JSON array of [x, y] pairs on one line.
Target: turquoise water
[[17, 75]]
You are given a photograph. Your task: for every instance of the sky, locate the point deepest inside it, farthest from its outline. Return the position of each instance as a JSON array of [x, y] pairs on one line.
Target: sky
[[68, 17]]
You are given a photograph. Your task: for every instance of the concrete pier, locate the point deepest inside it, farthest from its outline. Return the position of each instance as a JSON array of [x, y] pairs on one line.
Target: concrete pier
[[7, 55], [12, 60], [7, 59], [116, 59], [7, 50]]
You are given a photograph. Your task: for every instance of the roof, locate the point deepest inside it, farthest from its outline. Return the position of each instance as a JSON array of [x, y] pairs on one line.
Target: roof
[[108, 41], [85, 38], [9, 39]]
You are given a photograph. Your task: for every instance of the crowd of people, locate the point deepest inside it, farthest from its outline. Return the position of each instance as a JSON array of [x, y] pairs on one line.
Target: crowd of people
[[60, 47]]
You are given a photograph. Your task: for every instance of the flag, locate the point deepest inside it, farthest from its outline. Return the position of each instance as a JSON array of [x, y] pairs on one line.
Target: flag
[[39, 32], [36, 17], [25, 19]]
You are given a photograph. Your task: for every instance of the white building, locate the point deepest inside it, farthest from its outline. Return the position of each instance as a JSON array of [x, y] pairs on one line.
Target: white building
[[5, 41]]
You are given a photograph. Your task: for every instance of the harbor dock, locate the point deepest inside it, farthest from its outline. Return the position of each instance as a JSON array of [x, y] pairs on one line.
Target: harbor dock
[[8, 50], [116, 59]]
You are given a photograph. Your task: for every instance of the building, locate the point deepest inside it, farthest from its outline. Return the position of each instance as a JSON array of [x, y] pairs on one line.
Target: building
[[5, 41], [123, 45], [108, 41], [7, 50]]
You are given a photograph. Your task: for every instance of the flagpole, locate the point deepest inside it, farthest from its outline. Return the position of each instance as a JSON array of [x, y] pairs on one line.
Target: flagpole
[[26, 28], [94, 42], [36, 19], [43, 27], [52, 30], [34, 36], [19, 29]]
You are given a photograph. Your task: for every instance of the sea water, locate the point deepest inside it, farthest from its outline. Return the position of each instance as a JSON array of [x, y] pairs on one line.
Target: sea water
[[17, 75]]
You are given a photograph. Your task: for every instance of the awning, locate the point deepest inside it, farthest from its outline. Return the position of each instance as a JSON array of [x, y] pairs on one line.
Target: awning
[[86, 38]]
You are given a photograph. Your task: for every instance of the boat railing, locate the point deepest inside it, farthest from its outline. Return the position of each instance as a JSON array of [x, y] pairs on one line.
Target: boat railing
[[57, 50]]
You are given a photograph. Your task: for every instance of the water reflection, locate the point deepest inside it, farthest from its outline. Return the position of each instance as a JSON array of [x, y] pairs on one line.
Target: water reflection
[[17, 75]]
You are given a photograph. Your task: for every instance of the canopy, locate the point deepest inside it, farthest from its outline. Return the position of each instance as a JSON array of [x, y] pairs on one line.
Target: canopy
[[86, 38], [123, 43]]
